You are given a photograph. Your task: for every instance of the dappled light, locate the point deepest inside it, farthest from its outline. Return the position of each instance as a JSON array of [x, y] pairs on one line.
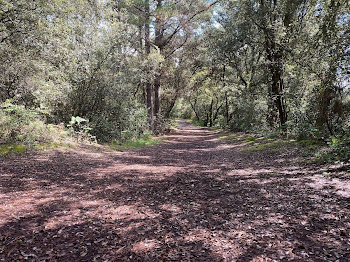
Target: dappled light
[[174, 201], [174, 130]]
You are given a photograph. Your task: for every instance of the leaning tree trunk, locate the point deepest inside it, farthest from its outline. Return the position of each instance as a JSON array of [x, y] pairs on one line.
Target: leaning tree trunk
[[171, 106]]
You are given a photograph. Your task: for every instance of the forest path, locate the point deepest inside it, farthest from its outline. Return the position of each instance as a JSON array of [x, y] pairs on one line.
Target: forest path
[[192, 198]]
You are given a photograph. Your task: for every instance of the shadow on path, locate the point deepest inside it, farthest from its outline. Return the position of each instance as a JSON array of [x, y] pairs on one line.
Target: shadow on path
[[193, 198]]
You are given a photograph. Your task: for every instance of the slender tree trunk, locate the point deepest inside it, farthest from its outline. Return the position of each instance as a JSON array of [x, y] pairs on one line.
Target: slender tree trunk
[[206, 120], [144, 93], [148, 51], [226, 96], [217, 112], [211, 113], [159, 34], [157, 90]]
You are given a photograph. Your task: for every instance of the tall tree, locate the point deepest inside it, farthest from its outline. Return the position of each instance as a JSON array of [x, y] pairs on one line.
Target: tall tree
[[149, 89], [174, 24]]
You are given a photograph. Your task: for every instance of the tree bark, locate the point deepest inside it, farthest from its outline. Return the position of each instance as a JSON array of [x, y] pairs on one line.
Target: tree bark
[[194, 110], [211, 113], [170, 108], [159, 35], [217, 112], [275, 56], [157, 90], [148, 51], [277, 87], [226, 96]]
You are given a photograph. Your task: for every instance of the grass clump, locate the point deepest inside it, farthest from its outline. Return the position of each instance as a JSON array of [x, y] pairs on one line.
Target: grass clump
[[8, 149], [309, 143], [272, 146], [228, 137], [253, 139], [135, 144]]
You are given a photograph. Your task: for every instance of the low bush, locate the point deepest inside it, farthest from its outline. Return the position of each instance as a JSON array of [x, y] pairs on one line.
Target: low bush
[[21, 125], [340, 148], [79, 128]]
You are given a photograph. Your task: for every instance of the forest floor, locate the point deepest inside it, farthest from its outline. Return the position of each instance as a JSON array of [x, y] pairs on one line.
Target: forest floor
[[195, 197]]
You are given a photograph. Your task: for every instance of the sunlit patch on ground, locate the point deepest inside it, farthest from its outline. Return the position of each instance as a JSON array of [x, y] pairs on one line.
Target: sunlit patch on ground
[[145, 245], [335, 185], [193, 198]]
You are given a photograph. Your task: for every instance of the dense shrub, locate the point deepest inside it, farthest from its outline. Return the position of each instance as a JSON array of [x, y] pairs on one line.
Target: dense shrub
[[19, 124], [340, 148]]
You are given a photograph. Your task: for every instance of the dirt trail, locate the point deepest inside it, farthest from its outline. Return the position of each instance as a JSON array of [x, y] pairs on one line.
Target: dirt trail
[[192, 198]]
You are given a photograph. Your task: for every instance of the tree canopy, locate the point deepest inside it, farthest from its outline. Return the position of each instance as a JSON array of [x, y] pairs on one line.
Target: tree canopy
[[129, 65]]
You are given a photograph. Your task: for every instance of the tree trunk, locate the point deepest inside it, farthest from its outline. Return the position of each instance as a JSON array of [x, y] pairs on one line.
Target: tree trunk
[[157, 89], [226, 96], [148, 51], [159, 35], [275, 57], [217, 112], [211, 113], [144, 93], [170, 108], [277, 91], [194, 110]]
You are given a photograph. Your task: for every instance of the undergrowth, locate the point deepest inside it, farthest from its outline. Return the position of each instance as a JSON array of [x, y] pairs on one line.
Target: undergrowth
[[331, 150], [23, 129], [134, 144]]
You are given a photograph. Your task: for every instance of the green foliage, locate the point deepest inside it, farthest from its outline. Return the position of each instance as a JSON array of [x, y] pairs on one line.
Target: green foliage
[[79, 128], [258, 55], [162, 125], [302, 130], [21, 125], [340, 149], [60, 59], [251, 139]]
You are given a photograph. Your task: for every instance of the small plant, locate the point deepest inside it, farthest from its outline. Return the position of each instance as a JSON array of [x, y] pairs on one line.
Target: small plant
[[79, 128], [251, 139]]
